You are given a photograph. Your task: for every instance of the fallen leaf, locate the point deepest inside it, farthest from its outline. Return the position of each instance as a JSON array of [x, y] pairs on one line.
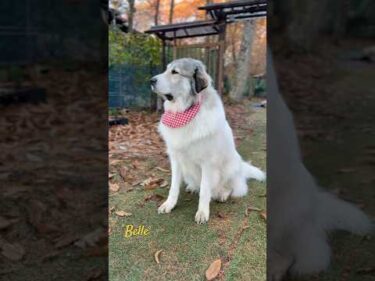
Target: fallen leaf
[[367, 270], [4, 223], [163, 170], [220, 215], [164, 184], [154, 197], [66, 240], [14, 252], [50, 255], [263, 214], [135, 183], [123, 214], [124, 173], [111, 175], [94, 274], [213, 270], [254, 209], [114, 187], [151, 183], [157, 256], [347, 170], [91, 238]]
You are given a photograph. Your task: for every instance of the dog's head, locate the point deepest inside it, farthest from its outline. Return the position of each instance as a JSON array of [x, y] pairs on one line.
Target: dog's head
[[181, 81]]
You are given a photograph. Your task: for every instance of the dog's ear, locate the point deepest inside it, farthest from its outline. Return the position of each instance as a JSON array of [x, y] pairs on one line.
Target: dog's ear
[[199, 80]]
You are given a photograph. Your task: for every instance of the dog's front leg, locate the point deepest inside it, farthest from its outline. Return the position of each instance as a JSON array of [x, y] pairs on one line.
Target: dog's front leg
[[208, 181], [174, 191]]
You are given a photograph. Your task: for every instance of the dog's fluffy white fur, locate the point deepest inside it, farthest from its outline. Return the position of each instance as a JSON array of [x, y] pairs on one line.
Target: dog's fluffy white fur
[[203, 152], [300, 213]]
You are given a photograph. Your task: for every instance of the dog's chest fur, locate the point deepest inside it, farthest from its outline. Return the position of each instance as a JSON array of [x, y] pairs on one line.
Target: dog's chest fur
[[205, 124]]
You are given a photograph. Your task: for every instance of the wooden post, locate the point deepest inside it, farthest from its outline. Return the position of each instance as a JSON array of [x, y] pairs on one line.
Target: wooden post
[[159, 101], [220, 59], [174, 47]]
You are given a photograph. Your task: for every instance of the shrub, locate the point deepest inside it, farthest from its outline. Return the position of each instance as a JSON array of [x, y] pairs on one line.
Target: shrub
[[133, 48]]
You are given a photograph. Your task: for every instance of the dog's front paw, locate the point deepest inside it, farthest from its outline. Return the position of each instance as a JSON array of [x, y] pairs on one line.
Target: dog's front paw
[[166, 207], [202, 216]]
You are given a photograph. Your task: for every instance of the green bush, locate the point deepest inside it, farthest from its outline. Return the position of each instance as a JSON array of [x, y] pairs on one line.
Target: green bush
[[133, 48]]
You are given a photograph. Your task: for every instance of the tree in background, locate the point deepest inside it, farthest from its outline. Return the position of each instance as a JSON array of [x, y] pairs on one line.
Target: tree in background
[[131, 12], [243, 63], [157, 12], [171, 11]]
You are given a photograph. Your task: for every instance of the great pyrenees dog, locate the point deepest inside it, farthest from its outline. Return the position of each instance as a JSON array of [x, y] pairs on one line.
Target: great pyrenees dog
[[300, 212], [199, 140]]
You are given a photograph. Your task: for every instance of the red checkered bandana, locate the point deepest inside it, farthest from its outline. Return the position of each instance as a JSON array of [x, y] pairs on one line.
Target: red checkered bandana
[[180, 119]]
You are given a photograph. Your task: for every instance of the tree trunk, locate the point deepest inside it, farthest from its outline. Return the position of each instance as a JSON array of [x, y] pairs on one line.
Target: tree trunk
[[341, 18], [305, 23], [243, 63], [171, 10], [131, 12], [157, 11]]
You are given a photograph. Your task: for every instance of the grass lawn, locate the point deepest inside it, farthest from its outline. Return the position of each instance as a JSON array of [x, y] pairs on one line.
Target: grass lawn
[[237, 238]]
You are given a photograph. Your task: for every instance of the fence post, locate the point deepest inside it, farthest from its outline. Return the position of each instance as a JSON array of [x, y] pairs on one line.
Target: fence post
[[220, 63]]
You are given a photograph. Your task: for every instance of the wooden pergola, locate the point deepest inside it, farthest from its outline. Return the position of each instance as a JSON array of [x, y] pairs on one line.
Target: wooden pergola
[[220, 15]]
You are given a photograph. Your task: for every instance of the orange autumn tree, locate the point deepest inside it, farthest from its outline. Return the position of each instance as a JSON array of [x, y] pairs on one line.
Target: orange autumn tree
[[184, 10]]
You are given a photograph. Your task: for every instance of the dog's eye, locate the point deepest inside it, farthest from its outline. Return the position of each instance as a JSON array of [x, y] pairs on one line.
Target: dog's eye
[[174, 72]]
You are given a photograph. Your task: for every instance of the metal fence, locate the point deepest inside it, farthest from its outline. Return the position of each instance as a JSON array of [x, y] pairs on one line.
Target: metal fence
[[35, 30], [207, 53], [129, 86]]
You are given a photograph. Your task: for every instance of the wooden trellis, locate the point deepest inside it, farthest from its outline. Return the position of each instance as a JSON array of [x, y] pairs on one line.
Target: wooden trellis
[[221, 14]]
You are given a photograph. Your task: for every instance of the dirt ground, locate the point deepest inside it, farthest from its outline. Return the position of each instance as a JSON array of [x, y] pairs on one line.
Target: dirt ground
[[139, 179]]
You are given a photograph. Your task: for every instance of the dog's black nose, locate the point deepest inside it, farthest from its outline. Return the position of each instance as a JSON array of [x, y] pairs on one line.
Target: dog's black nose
[[153, 81]]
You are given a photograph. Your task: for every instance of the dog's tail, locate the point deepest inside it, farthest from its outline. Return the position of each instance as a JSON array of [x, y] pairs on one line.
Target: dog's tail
[[335, 213], [252, 172]]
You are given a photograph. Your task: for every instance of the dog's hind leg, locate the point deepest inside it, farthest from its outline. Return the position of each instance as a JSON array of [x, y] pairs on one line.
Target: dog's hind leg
[[191, 185], [221, 194], [239, 186]]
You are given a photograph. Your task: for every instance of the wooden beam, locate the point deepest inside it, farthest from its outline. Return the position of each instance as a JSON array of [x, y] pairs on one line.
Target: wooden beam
[[220, 62], [200, 45]]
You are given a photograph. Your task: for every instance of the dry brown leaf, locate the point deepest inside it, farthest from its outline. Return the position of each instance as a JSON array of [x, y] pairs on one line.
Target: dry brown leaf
[[213, 270], [154, 197], [66, 240], [254, 209], [347, 170], [114, 187], [4, 223], [263, 215], [152, 183], [123, 214], [94, 274], [164, 184], [91, 238], [157, 256], [124, 174], [14, 252], [161, 169]]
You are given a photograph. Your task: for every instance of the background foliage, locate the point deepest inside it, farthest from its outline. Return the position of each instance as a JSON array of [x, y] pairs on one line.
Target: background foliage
[[133, 48]]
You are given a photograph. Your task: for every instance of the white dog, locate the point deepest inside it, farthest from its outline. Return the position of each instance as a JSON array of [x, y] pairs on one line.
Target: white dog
[[199, 140], [300, 213]]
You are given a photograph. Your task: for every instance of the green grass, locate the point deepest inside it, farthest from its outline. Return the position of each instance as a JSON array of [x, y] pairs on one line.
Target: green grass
[[189, 248]]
